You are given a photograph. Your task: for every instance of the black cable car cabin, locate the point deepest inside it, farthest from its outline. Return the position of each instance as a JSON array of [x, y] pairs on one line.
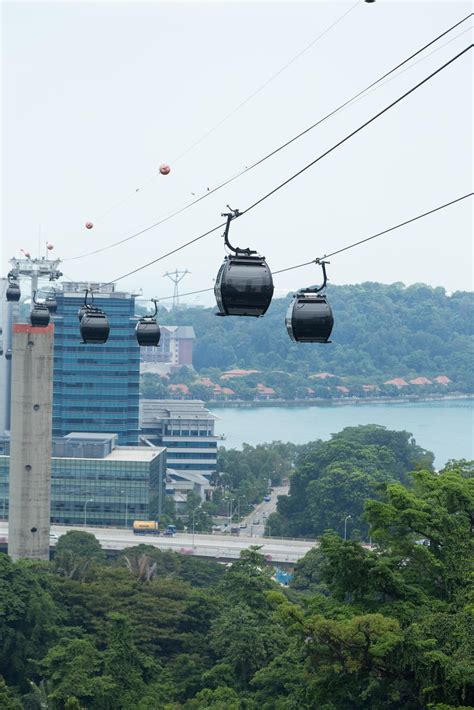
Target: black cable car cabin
[[13, 292], [244, 283], [309, 318], [51, 303], [244, 286], [148, 331], [93, 323], [94, 326], [39, 315]]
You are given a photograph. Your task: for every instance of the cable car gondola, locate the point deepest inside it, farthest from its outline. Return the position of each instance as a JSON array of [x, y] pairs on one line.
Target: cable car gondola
[[39, 315], [309, 317], [148, 331], [244, 284], [51, 302], [94, 324], [13, 290]]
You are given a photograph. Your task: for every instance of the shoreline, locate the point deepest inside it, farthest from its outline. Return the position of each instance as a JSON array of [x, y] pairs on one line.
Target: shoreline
[[336, 401]]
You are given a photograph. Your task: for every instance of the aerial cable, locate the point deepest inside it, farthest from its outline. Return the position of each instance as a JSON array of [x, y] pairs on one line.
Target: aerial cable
[[240, 105], [360, 128], [265, 84], [349, 246], [379, 234], [300, 172], [345, 104]]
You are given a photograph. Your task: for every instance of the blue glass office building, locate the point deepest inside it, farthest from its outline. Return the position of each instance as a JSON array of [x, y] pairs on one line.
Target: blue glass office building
[[96, 387]]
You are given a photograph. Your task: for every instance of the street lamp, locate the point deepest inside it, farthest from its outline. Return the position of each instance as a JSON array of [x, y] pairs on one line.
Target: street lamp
[[124, 493], [91, 500], [193, 521], [345, 525]]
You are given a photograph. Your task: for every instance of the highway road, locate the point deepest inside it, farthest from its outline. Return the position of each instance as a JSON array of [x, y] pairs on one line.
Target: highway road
[[255, 521], [226, 547]]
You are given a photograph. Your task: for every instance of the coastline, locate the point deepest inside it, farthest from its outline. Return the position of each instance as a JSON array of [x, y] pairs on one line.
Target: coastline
[[335, 401]]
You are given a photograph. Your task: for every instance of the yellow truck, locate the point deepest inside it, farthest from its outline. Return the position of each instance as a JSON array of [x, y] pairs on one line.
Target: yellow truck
[[146, 527]]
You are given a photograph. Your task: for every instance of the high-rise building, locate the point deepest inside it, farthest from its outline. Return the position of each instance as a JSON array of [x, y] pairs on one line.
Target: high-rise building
[[96, 387], [186, 429]]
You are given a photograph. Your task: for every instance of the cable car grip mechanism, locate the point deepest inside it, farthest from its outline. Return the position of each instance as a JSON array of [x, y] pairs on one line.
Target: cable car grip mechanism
[[233, 214]]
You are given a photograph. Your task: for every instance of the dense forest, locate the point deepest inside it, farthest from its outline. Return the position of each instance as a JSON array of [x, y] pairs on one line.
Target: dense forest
[[381, 332], [331, 480], [389, 627]]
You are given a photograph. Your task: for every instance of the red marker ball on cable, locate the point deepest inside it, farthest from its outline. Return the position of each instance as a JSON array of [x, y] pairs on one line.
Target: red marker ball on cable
[[89, 225], [165, 169]]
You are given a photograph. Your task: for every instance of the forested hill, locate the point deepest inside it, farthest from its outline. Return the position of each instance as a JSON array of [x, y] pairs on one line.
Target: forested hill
[[380, 330]]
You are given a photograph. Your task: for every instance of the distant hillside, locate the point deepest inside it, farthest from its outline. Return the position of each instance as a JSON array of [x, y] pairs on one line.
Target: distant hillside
[[381, 332]]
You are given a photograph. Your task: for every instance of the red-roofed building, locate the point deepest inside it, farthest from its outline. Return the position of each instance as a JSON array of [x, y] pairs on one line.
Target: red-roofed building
[[397, 382], [205, 381], [179, 389], [442, 380], [343, 389], [369, 388], [237, 373], [228, 392], [264, 392], [420, 381], [321, 376]]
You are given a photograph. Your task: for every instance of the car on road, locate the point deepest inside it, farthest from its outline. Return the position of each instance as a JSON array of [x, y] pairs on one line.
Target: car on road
[[267, 499], [256, 521], [243, 526]]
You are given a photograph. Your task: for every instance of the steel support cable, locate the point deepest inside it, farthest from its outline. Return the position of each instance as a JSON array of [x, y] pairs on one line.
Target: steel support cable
[[379, 234], [239, 106], [356, 97], [349, 246], [306, 167], [360, 128]]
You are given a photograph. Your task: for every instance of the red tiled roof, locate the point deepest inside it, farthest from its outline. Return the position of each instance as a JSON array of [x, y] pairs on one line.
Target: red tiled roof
[[442, 380], [343, 389], [227, 390], [205, 381], [322, 376], [398, 382], [420, 381], [265, 390], [179, 388]]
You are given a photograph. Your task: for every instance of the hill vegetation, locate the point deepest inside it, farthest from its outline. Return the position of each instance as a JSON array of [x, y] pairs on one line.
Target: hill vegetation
[[384, 628], [382, 332]]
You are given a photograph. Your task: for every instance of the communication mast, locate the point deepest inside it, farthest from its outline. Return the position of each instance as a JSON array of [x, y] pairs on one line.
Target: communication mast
[[176, 277]]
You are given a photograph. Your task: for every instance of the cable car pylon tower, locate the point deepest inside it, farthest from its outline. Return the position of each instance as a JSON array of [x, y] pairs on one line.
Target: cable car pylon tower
[[176, 276]]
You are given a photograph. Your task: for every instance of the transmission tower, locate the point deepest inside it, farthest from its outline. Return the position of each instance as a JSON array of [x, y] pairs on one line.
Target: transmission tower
[[176, 277]]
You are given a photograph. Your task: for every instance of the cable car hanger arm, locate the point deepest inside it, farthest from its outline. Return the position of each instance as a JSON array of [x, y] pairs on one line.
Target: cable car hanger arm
[[233, 214]]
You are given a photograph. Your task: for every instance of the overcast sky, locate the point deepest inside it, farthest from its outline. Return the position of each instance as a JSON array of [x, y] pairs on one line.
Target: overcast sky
[[96, 96]]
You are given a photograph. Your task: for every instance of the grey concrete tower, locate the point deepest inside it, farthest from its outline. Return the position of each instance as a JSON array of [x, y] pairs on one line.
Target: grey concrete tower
[[30, 447]]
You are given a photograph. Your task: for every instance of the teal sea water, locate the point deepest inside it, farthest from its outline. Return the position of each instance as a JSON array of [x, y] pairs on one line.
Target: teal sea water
[[444, 427]]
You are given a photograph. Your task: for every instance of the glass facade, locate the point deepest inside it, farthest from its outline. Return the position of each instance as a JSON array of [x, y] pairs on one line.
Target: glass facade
[[186, 429], [96, 387], [105, 492]]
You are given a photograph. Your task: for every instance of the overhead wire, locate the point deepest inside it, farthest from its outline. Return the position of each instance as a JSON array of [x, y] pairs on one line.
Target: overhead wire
[[302, 170], [240, 105], [356, 97], [348, 246]]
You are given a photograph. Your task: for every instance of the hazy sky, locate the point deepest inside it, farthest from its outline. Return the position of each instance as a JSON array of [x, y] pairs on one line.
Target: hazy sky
[[96, 96]]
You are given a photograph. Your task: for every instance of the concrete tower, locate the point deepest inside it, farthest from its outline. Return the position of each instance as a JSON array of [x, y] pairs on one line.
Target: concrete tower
[[30, 448]]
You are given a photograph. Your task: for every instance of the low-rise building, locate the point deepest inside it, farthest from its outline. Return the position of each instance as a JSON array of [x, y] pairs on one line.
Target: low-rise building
[[96, 482]]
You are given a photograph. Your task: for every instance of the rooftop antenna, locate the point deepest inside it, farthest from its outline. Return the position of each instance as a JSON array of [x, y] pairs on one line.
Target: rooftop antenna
[[176, 277]]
